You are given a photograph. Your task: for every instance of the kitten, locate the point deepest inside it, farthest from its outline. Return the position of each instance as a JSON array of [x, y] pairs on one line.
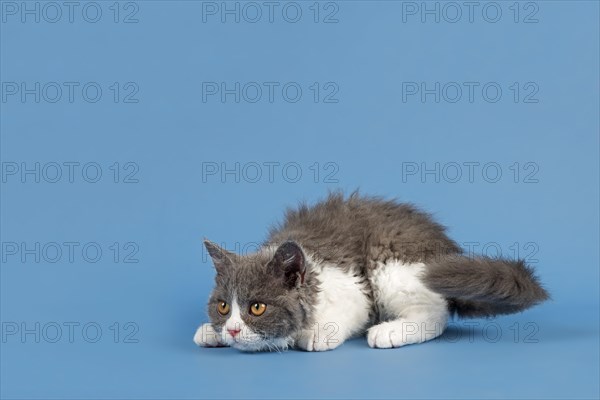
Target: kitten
[[346, 267]]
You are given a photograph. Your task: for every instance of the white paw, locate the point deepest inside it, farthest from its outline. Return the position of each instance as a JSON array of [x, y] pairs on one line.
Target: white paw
[[321, 338], [206, 336], [401, 332], [386, 335]]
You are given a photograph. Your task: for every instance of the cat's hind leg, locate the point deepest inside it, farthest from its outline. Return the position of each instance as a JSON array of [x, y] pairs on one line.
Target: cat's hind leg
[[414, 327], [412, 313]]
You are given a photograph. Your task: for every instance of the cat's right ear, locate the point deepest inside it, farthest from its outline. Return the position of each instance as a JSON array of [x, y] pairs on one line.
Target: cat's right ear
[[290, 263], [222, 259]]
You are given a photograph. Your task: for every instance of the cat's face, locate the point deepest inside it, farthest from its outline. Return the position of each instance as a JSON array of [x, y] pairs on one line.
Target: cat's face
[[256, 303]]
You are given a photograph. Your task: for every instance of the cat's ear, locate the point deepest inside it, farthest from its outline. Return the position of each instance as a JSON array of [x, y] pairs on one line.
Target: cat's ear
[[222, 259], [290, 263]]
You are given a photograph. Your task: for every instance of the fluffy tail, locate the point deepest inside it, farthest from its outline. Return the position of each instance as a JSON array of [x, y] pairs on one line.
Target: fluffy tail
[[484, 287]]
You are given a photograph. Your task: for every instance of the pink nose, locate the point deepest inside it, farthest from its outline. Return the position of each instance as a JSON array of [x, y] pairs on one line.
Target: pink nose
[[233, 332]]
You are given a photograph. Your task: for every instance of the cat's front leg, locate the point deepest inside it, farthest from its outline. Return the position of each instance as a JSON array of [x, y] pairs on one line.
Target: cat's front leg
[[321, 337], [206, 336]]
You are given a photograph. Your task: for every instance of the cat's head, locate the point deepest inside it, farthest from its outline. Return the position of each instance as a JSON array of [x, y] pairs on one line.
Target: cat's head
[[257, 303]]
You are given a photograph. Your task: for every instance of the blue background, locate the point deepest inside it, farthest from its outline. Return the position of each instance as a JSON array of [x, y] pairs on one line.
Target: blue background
[[170, 134]]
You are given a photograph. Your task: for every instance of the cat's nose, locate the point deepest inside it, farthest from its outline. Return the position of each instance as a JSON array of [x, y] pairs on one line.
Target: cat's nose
[[233, 332]]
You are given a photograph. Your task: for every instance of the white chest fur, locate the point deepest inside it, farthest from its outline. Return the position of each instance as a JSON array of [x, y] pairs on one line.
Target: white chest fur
[[341, 311], [342, 294]]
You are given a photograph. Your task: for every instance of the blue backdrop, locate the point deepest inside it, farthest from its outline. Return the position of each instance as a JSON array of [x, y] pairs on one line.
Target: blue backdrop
[[131, 130]]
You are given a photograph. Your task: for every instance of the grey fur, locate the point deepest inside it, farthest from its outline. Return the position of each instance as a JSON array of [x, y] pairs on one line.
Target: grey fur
[[355, 234], [262, 277], [484, 287]]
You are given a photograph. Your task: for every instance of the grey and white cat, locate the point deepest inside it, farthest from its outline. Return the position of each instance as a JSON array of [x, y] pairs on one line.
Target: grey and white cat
[[349, 266]]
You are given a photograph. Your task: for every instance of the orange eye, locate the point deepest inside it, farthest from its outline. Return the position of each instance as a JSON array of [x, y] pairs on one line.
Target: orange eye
[[223, 308], [258, 309]]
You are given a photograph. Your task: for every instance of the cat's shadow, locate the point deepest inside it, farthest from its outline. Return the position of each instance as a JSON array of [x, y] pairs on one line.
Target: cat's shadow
[[518, 332]]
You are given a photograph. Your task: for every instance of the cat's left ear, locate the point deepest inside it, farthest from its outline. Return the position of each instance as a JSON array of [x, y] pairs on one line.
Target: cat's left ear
[[222, 259], [289, 262]]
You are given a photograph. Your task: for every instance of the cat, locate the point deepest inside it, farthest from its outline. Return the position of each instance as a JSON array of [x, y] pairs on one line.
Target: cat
[[351, 266]]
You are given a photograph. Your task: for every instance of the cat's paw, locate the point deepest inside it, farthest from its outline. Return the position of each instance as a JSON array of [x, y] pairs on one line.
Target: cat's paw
[[317, 340], [386, 335], [206, 336]]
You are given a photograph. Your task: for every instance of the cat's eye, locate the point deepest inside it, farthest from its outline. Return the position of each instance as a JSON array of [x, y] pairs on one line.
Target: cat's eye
[[223, 308], [258, 309]]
